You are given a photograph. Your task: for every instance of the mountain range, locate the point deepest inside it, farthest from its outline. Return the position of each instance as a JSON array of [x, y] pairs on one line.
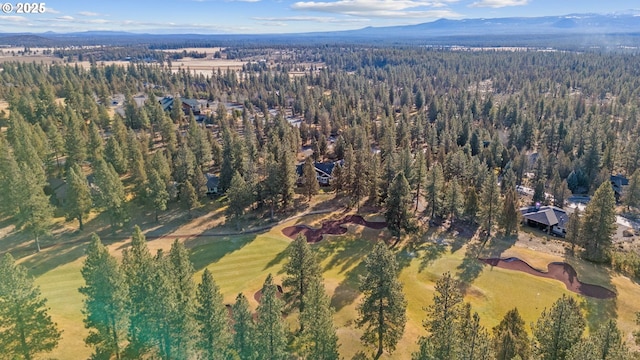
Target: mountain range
[[607, 29]]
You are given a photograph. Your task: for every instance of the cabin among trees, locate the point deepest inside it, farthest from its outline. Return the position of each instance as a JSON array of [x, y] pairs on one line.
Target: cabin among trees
[[551, 219], [324, 171]]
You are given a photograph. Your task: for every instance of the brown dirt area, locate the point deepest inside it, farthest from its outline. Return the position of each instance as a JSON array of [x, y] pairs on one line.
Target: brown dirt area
[[330, 227]]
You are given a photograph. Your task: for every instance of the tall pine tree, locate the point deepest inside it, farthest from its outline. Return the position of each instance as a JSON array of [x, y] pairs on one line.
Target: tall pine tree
[[319, 333], [397, 207], [558, 329], [382, 312], [510, 338], [244, 329], [301, 270], [599, 221], [212, 319], [271, 328], [105, 302], [26, 328]]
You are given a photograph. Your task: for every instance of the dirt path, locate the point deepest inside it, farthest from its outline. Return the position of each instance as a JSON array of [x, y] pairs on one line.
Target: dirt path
[[556, 270]]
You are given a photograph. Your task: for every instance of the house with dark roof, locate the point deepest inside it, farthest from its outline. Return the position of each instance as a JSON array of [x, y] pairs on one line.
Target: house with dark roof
[[188, 105], [212, 185], [551, 219], [323, 172], [618, 182]]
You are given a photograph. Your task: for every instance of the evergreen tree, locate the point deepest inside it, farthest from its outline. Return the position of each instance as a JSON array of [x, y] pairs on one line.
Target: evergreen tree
[[35, 213], [310, 185], [182, 325], [358, 186], [114, 155], [443, 321], [559, 190], [474, 338], [319, 334], [510, 338], [301, 271], [184, 167], [573, 229], [26, 328], [211, 316], [168, 134], [139, 269], [397, 206], [188, 197], [489, 203], [105, 306], [599, 221], [557, 329], [338, 181], [454, 201], [374, 180], [382, 312], [75, 142], [111, 195], [78, 202], [471, 207], [9, 179], [631, 196], [606, 343], [95, 148], [287, 172], [239, 196], [157, 195], [510, 216], [227, 167], [244, 331], [271, 328], [199, 144], [434, 190]]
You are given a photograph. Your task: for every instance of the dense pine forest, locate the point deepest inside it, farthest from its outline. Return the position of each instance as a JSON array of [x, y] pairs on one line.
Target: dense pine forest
[[424, 137]]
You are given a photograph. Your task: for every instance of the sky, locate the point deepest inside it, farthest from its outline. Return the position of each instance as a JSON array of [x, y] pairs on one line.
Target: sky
[[275, 16]]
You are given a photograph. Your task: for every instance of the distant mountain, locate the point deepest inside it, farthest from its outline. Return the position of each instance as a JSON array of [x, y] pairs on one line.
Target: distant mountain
[[556, 25], [569, 31]]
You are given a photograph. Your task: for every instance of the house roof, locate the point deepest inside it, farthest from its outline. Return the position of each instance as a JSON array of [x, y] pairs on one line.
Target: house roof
[[192, 103], [212, 181], [325, 168], [617, 182], [546, 215], [166, 103]]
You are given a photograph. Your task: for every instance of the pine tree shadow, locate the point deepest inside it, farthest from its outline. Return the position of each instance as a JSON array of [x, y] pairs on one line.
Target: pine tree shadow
[[497, 245], [277, 260], [471, 267], [431, 253], [203, 255], [347, 291]]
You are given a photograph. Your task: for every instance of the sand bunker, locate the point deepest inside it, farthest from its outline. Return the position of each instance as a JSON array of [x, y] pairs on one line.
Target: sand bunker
[[558, 271], [331, 227]]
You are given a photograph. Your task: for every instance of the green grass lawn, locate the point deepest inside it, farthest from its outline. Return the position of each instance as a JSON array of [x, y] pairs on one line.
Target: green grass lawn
[[241, 263]]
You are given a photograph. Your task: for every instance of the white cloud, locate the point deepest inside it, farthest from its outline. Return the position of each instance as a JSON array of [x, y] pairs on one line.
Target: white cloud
[[12, 18], [65, 18], [380, 8], [499, 3], [318, 19], [88, 13], [49, 10]]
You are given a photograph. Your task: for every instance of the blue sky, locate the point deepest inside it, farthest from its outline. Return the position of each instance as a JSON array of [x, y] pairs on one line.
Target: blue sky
[[277, 16]]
